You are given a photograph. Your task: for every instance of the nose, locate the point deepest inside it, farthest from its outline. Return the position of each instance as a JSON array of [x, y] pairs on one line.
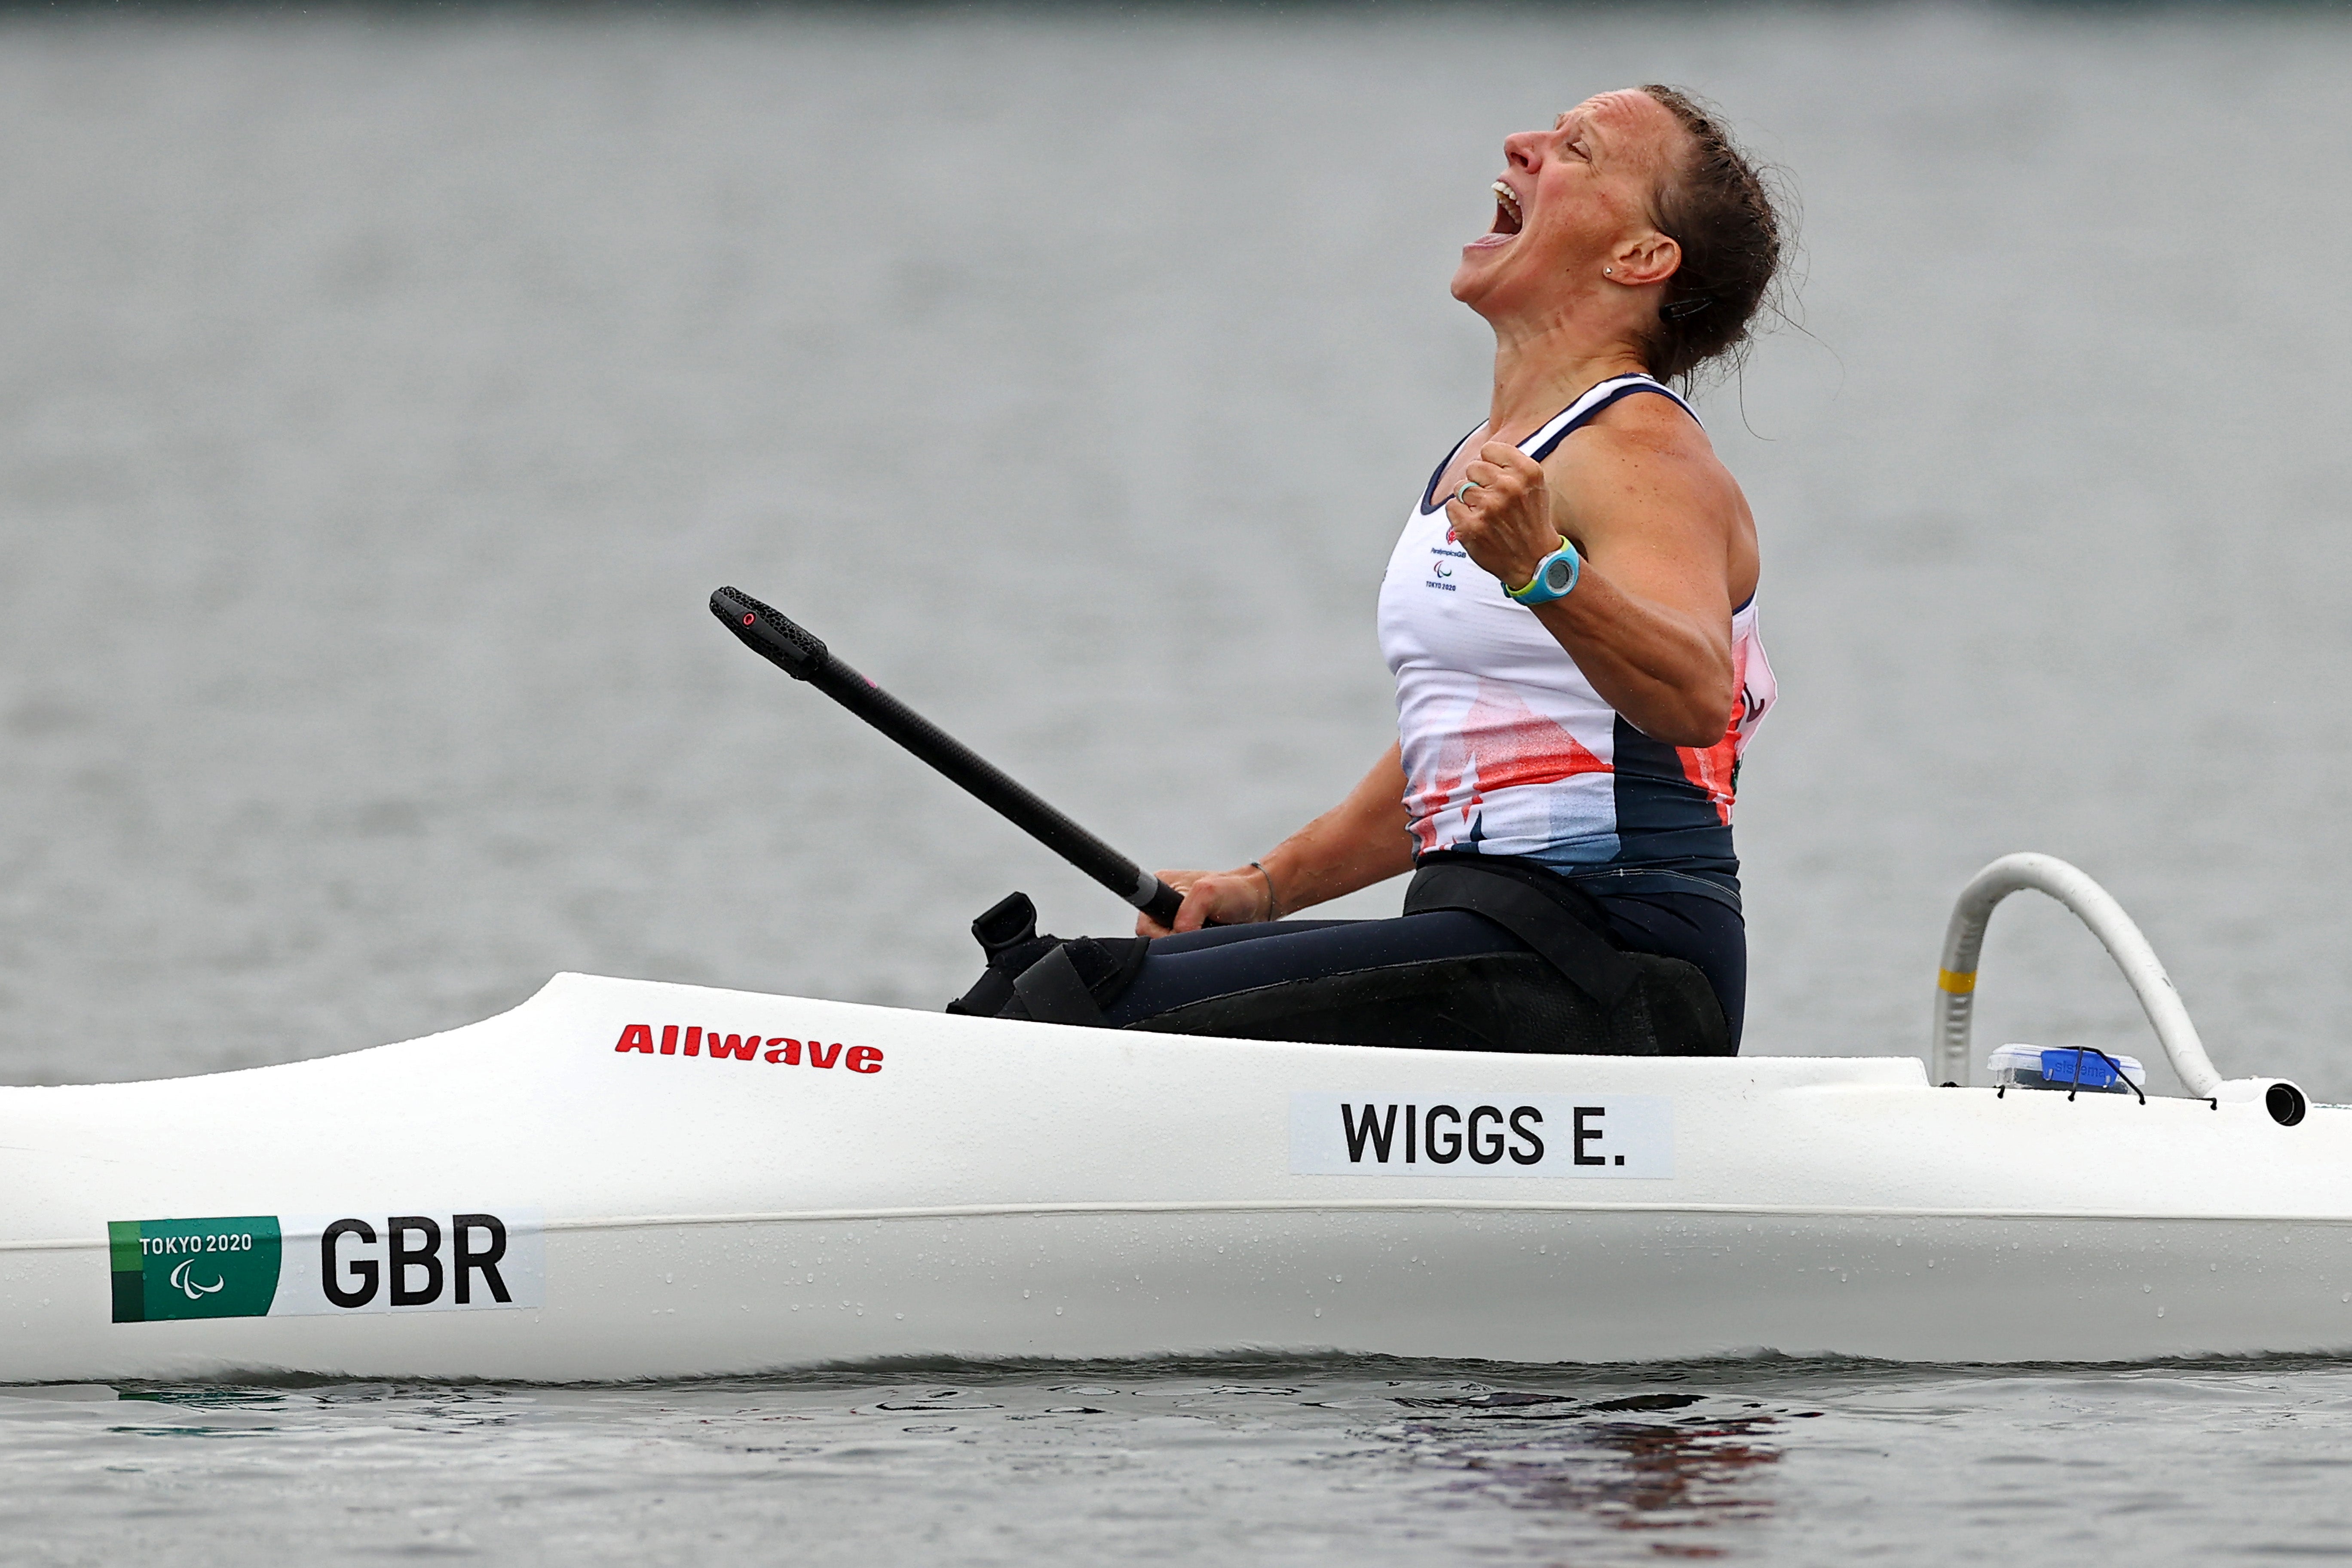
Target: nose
[[1523, 149]]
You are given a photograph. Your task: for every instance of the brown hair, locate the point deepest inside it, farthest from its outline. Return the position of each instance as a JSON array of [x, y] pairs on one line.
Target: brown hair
[[1724, 213]]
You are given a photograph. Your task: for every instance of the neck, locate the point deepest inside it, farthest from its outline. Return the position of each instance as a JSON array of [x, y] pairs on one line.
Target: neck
[[1540, 369]]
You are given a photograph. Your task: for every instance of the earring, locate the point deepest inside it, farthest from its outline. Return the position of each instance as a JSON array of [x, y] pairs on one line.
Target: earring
[[1607, 271]]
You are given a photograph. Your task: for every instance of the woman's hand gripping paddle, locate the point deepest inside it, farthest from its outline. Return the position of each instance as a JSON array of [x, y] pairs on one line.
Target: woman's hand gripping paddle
[[803, 657]]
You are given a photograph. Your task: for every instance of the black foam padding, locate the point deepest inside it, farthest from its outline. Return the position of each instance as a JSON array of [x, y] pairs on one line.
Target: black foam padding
[[1495, 1002]]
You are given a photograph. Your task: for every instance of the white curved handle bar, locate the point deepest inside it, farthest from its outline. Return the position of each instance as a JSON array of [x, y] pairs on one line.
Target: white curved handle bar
[[1947, 1055]]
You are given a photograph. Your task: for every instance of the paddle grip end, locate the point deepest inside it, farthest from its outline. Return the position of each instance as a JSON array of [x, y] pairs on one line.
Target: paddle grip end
[[771, 635]]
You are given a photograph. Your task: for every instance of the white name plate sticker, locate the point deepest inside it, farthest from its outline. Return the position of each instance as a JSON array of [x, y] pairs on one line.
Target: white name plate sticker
[[344, 1264], [1489, 1134]]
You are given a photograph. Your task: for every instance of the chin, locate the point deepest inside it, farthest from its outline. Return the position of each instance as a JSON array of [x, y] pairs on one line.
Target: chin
[[1478, 293], [1471, 284]]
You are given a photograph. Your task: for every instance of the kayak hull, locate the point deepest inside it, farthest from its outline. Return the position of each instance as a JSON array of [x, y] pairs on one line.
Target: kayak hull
[[983, 1188]]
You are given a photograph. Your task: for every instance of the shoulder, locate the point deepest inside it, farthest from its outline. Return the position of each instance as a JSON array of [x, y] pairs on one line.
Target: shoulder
[[1647, 439], [1648, 421]]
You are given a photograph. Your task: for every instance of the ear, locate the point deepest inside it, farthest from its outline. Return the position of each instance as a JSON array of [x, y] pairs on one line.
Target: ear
[[1650, 258]]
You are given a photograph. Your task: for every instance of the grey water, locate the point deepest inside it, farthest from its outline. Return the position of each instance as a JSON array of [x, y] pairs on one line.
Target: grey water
[[383, 393]]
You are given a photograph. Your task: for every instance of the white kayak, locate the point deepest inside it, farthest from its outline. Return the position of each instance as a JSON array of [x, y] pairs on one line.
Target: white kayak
[[621, 1179]]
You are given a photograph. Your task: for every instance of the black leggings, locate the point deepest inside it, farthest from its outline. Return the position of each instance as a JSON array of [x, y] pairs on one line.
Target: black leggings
[[1700, 929]]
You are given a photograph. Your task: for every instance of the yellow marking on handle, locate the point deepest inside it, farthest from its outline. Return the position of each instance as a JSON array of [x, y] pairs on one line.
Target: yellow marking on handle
[[1954, 983]]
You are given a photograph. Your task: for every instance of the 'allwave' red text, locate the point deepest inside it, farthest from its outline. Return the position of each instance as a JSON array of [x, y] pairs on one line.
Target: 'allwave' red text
[[749, 1047]]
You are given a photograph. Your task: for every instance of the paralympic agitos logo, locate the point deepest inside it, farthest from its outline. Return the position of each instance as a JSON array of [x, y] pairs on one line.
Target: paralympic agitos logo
[[780, 1049], [183, 1282]]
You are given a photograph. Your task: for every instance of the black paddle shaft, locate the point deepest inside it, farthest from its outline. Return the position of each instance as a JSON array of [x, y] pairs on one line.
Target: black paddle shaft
[[803, 656]]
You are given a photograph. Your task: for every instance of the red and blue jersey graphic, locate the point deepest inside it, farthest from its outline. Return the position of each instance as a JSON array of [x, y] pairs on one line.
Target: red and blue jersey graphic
[[1508, 748]]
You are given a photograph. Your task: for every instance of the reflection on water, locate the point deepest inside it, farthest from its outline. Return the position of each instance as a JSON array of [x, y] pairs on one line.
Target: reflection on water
[[1690, 1475], [1426, 1460], [1374, 1463]]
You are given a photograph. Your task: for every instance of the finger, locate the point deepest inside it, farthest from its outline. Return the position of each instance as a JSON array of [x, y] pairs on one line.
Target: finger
[[1471, 528], [1511, 460], [1500, 490], [1511, 477], [1182, 879], [1200, 902]]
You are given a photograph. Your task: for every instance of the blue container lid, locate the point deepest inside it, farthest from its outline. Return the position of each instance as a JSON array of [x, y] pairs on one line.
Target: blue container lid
[[2064, 1067], [2060, 1064]]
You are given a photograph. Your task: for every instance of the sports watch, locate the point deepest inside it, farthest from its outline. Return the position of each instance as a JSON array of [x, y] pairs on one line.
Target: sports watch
[[1556, 573]]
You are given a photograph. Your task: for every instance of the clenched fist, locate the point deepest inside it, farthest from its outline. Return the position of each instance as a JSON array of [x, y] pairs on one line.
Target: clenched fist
[[1505, 522]]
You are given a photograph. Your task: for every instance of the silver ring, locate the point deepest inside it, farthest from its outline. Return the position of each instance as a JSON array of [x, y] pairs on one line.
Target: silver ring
[[1465, 486]]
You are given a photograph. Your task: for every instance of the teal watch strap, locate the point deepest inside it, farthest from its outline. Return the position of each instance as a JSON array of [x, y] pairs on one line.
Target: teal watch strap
[[1556, 574]]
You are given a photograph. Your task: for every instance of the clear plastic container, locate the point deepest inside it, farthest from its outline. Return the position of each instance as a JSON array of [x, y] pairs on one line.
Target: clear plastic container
[[2066, 1068]]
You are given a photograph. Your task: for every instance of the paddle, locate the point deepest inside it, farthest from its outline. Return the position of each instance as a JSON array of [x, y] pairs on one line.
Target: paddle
[[803, 657]]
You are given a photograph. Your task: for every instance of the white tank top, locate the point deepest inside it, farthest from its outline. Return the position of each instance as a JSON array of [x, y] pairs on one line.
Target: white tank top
[[1508, 748]]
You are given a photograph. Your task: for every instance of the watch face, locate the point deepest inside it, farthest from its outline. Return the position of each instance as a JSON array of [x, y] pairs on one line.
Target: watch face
[[1557, 575]]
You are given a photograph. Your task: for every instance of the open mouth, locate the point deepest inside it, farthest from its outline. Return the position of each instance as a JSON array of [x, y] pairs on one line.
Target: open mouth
[[1506, 210]]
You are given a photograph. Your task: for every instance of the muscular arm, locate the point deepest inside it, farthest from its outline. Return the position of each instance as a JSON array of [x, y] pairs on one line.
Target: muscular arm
[[1666, 543], [1361, 841]]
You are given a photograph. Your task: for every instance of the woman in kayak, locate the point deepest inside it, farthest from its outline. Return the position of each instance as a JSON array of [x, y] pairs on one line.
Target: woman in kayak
[[1570, 619]]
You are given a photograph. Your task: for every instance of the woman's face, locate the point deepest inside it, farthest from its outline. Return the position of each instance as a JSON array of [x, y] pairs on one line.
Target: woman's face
[[1570, 199]]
